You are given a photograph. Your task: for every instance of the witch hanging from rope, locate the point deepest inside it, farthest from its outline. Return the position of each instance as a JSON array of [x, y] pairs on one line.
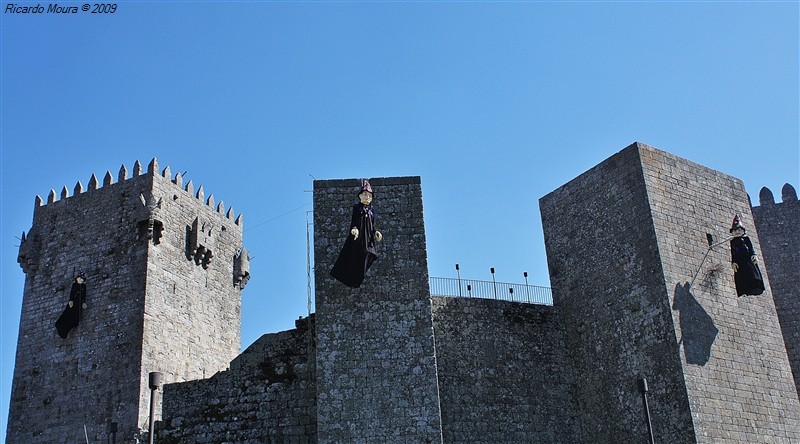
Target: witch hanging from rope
[[71, 316], [359, 250], [744, 261]]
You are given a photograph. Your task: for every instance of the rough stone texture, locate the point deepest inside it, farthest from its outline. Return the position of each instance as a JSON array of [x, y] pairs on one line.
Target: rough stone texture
[[150, 307], [626, 243], [268, 395], [608, 284], [376, 365], [501, 368], [739, 383], [778, 227], [637, 292]]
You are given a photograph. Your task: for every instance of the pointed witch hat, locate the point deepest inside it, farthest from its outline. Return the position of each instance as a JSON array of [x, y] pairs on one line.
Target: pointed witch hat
[[737, 223], [365, 186]]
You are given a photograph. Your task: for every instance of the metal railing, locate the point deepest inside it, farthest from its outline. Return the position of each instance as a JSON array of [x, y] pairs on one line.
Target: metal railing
[[504, 291]]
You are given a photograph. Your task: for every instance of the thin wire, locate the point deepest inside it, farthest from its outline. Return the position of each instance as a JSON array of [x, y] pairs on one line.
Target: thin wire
[[278, 217]]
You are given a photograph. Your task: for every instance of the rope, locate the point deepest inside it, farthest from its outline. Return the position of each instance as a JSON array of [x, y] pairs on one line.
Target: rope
[[710, 247]]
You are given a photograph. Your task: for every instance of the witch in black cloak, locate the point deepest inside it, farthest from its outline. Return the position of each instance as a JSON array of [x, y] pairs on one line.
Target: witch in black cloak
[[359, 250], [71, 316], [744, 261]]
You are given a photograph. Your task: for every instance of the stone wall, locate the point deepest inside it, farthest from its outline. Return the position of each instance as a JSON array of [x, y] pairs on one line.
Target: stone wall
[[734, 360], [150, 307], [192, 312], [376, 365], [640, 266], [60, 385], [778, 230], [643, 295], [608, 285], [268, 395], [502, 372]]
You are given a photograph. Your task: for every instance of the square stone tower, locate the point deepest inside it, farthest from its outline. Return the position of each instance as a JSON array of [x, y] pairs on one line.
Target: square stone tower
[[376, 364], [640, 267], [164, 269]]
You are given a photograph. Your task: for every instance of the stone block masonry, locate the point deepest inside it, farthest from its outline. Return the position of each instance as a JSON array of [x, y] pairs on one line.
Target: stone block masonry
[[734, 360], [639, 262], [268, 395], [626, 245], [157, 301], [778, 227], [502, 372], [376, 364], [607, 284]]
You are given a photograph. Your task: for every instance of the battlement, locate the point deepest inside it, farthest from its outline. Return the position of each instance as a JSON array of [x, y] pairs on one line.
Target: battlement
[[788, 194], [780, 243], [152, 170], [164, 267], [645, 321]]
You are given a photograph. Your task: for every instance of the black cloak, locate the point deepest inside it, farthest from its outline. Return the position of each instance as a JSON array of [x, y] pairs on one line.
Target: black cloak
[[71, 316], [748, 276], [357, 255]]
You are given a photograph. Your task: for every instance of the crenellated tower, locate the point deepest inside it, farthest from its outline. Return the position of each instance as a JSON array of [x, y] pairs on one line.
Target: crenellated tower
[[777, 225], [164, 268]]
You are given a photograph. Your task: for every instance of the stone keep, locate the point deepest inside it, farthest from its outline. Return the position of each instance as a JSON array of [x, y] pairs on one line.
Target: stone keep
[[164, 269], [779, 230], [376, 365], [626, 246]]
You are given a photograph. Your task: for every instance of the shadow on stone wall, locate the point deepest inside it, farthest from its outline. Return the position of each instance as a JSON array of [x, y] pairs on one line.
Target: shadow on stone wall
[[698, 331]]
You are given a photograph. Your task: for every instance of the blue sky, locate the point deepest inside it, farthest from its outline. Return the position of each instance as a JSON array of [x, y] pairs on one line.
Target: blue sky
[[493, 104]]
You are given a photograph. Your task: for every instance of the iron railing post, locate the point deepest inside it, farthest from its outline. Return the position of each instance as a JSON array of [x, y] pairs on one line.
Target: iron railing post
[[490, 290], [494, 283], [458, 271], [645, 389], [527, 288]]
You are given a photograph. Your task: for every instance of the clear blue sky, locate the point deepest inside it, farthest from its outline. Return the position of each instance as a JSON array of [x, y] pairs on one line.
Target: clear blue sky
[[493, 104]]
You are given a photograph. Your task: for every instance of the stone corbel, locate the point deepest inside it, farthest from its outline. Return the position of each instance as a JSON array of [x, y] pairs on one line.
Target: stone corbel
[[201, 243], [148, 218], [241, 269], [28, 256]]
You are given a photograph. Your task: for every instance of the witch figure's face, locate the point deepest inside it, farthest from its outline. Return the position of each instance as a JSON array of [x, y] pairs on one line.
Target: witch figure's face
[[738, 232], [80, 279], [366, 197]]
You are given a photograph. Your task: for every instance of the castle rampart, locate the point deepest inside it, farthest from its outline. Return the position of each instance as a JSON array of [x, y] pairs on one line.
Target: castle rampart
[[642, 288], [503, 373], [777, 225], [267, 395]]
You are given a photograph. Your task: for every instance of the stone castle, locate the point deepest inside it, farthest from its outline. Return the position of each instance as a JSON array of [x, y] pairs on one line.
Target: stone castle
[[646, 340]]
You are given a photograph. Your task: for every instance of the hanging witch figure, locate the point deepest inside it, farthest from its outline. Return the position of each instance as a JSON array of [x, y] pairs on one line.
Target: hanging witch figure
[[359, 250], [71, 316], [744, 261]]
